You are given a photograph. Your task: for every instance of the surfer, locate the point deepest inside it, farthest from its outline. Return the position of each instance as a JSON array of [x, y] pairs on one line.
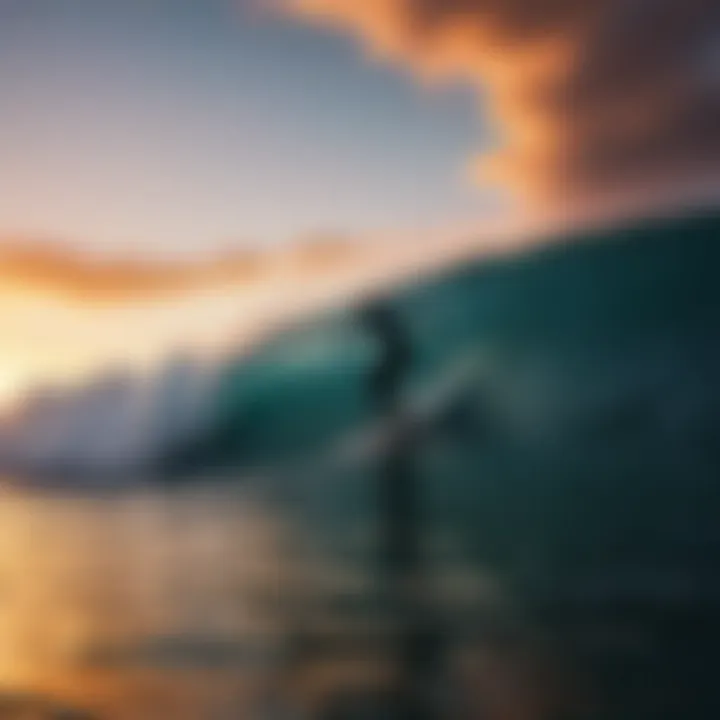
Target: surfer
[[418, 648], [383, 324]]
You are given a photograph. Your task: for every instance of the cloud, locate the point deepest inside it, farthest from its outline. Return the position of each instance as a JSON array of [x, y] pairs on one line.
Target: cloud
[[75, 275], [589, 94], [57, 270]]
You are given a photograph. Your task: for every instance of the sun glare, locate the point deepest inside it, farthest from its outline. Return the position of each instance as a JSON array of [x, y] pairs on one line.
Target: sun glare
[[10, 388]]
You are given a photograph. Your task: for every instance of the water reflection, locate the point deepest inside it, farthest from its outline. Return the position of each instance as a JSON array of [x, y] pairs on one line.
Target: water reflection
[[182, 603], [131, 587]]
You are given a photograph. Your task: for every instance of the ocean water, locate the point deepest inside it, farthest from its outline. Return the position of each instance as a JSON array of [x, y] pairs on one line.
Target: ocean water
[[154, 602], [141, 602], [569, 514]]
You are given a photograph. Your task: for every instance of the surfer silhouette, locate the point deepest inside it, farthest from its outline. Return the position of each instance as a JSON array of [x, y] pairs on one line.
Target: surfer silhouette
[[381, 321], [397, 490], [398, 493]]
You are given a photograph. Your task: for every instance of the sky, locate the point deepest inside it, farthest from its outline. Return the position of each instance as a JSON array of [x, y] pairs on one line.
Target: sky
[[177, 127], [173, 171]]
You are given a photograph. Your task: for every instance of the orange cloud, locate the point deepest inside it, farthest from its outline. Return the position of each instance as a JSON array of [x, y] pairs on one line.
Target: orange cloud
[[589, 94], [73, 275], [61, 271]]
